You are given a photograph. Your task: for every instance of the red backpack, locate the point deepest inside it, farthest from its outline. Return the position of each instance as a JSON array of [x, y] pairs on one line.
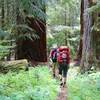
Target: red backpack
[[63, 55]]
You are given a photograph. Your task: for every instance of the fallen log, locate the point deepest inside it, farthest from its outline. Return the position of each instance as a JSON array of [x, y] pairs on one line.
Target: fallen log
[[15, 66]]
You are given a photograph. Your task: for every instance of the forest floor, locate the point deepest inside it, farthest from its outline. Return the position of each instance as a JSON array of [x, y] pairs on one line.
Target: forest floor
[[38, 84]]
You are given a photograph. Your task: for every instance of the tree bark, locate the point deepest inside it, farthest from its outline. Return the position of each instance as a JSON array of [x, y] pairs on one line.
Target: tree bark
[[33, 50], [65, 23], [86, 51], [38, 46], [18, 49], [96, 39], [79, 50], [2, 14]]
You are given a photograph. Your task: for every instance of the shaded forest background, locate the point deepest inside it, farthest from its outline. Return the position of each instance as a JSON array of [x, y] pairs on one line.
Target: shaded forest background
[[23, 26], [76, 24]]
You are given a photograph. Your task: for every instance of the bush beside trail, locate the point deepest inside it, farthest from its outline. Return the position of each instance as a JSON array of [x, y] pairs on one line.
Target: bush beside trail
[[83, 87], [35, 84]]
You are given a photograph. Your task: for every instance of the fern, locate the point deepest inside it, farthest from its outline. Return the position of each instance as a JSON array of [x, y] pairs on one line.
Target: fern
[[23, 32], [95, 8], [3, 34], [84, 87], [26, 86], [35, 8]]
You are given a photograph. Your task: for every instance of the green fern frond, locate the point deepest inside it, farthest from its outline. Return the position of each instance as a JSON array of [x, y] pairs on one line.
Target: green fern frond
[[95, 8], [23, 32]]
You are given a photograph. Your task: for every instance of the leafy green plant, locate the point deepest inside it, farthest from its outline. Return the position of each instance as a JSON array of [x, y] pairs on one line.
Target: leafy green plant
[[28, 85], [84, 87], [95, 7]]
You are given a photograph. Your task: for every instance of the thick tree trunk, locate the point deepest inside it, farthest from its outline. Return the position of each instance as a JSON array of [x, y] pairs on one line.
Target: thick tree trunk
[[33, 50], [79, 51], [86, 52], [91, 39], [96, 40], [18, 49], [82, 30], [37, 47]]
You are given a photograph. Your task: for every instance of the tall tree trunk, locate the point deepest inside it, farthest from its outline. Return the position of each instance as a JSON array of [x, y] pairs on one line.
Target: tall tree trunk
[[7, 12], [79, 51], [82, 30], [37, 48], [7, 17], [87, 49], [18, 50], [2, 14], [96, 39], [65, 23], [33, 50]]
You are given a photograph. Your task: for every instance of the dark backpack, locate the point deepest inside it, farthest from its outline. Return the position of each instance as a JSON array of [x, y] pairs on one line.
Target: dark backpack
[[54, 55]]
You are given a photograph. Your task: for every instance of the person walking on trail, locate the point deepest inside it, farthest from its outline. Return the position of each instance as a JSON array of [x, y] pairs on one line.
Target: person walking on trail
[[53, 59], [63, 60]]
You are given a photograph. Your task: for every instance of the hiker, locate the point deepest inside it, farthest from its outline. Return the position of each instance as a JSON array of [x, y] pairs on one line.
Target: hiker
[[63, 63], [53, 59]]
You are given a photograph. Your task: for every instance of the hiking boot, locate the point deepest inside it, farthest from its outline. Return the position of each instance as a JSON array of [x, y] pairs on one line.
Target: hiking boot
[[64, 84], [61, 84], [54, 75]]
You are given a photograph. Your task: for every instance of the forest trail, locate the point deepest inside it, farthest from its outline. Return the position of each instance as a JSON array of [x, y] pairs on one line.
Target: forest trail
[[62, 93]]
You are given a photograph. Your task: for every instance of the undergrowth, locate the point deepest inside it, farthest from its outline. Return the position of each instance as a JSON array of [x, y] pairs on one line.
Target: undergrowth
[[35, 84], [38, 84], [84, 87]]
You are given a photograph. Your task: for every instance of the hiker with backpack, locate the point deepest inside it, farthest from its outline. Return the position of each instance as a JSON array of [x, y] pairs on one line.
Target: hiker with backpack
[[53, 59], [63, 60]]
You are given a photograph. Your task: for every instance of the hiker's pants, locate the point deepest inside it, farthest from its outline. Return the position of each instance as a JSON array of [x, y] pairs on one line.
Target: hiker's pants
[[63, 69], [54, 65]]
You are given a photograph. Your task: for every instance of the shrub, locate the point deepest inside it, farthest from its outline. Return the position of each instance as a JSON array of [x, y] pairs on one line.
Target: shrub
[[36, 84]]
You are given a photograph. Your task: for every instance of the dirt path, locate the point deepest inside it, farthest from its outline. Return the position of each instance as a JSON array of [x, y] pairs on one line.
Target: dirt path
[[62, 93]]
